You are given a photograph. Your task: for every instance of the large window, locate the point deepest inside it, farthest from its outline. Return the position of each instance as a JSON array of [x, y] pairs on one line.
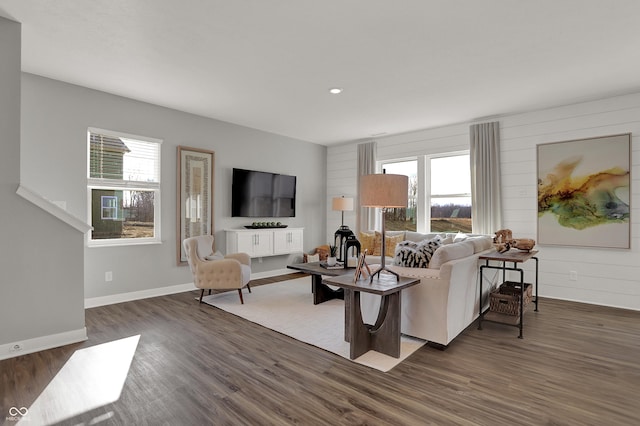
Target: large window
[[399, 219], [439, 194], [123, 188], [450, 194]]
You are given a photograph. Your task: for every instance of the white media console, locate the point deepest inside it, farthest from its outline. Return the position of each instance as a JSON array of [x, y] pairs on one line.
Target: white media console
[[265, 242]]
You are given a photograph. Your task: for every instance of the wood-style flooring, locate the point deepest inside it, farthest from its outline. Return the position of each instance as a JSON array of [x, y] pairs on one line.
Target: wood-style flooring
[[194, 364]]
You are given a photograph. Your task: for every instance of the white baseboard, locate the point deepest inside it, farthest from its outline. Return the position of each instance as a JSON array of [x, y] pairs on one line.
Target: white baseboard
[[38, 344], [94, 302]]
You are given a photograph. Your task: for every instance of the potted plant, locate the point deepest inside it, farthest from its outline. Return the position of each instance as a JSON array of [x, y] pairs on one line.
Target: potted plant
[[331, 259]]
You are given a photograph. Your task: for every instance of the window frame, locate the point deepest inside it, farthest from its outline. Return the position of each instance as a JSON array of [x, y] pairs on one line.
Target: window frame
[[124, 185], [428, 195], [424, 195], [104, 207], [380, 166]]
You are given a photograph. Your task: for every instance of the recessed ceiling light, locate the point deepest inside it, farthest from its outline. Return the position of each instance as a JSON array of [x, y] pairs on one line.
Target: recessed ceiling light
[[335, 90]]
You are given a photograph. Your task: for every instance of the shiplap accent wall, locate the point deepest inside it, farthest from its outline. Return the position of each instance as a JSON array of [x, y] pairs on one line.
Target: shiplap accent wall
[[605, 276]]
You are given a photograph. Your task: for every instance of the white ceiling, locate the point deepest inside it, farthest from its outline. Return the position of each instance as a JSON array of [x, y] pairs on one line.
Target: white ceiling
[[404, 64]]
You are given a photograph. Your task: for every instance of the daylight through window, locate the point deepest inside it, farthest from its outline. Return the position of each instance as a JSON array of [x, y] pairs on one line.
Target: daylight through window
[[123, 188], [450, 195], [439, 194]]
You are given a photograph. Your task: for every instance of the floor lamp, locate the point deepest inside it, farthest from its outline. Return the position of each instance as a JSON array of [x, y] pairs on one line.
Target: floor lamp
[[384, 191], [342, 204]]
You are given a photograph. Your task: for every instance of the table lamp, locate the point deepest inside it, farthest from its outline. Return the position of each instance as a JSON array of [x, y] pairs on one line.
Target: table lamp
[[342, 204], [384, 191]]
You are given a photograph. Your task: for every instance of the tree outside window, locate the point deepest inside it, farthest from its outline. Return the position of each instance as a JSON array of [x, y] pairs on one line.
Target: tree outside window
[[442, 203], [450, 195], [400, 219], [123, 187]]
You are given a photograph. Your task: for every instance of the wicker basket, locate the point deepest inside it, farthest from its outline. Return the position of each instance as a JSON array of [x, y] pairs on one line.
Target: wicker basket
[[506, 298]]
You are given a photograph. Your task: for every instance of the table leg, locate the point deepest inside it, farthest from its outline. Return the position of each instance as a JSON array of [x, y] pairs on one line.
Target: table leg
[[536, 259], [520, 326], [347, 310], [322, 292], [384, 335]]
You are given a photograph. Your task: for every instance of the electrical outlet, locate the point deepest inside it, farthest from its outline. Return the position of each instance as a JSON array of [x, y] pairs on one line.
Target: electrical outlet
[[108, 276], [573, 275], [16, 347]]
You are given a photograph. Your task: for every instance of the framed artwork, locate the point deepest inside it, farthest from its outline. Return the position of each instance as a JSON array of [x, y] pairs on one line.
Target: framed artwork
[[584, 189], [195, 195]]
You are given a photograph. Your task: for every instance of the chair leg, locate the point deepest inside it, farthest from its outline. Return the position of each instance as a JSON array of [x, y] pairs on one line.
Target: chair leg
[[240, 293], [249, 287], [201, 294]]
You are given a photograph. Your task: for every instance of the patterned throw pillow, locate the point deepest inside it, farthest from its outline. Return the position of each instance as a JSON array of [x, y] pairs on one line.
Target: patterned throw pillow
[[416, 255]]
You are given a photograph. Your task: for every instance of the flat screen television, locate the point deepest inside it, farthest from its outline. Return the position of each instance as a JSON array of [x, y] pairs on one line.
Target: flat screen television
[[262, 194]]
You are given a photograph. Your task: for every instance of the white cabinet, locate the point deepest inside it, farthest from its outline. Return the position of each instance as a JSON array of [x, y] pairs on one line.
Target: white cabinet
[[287, 241], [255, 243], [265, 242]]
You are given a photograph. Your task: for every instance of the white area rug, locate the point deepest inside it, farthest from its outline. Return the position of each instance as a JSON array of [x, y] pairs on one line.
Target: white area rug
[[287, 307]]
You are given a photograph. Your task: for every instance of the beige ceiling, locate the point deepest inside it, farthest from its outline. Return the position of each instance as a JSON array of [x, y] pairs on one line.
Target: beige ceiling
[[404, 64]]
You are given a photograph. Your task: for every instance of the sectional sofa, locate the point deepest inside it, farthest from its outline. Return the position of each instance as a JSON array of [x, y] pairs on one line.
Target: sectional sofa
[[447, 299]]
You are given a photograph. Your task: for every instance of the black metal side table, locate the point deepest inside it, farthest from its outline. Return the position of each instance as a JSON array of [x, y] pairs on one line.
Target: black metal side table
[[515, 257]]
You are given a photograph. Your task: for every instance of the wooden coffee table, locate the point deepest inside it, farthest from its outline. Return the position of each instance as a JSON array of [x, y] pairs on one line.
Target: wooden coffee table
[[384, 335], [321, 292]]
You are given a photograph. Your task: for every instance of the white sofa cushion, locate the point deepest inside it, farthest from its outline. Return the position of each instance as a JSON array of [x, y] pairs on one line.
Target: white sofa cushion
[[451, 252], [460, 237], [481, 243], [417, 237]]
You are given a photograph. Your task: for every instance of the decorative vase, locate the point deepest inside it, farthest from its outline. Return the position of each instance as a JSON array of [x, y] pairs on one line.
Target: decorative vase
[[331, 260]]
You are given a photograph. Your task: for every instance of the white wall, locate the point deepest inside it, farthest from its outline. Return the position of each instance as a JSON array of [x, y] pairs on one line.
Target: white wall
[[605, 276], [55, 118], [41, 258]]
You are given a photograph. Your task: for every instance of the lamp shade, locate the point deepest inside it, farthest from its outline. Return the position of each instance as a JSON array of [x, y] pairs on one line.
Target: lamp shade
[[342, 204], [383, 190]]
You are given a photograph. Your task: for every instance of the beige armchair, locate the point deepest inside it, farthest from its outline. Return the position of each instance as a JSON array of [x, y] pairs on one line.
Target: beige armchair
[[230, 272]]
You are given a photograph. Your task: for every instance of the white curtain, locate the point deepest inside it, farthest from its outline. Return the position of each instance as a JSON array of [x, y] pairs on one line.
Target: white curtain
[[367, 153], [485, 178]]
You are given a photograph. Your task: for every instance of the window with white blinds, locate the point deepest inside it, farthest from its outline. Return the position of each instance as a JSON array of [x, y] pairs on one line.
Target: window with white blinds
[[123, 188]]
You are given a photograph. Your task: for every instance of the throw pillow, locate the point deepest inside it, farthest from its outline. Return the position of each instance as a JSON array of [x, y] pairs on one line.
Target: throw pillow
[[459, 237], [367, 241], [416, 255], [313, 258], [447, 240], [215, 256], [390, 242]]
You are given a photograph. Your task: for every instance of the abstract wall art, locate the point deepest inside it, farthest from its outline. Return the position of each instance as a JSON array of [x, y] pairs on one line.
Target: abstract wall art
[[584, 192]]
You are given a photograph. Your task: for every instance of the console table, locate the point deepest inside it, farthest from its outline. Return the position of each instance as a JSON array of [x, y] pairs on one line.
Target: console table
[[265, 242], [516, 258], [384, 335]]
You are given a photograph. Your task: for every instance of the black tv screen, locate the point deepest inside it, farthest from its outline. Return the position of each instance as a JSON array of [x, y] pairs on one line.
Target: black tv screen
[[262, 194]]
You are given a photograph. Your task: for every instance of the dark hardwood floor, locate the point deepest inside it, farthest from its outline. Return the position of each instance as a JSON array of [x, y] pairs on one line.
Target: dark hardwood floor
[[194, 365]]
